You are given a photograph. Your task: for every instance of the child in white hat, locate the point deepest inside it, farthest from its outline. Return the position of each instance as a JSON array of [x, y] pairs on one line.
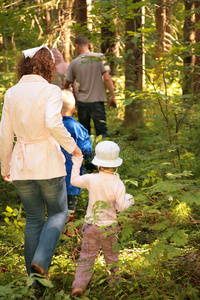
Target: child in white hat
[[107, 195]]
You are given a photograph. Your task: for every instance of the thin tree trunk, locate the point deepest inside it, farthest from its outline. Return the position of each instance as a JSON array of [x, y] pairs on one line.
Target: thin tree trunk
[[164, 32], [168, 27], [109, 45], [65, 20], [188, 60], [197, 58], [160, 21], [133, 74], [80, 12]]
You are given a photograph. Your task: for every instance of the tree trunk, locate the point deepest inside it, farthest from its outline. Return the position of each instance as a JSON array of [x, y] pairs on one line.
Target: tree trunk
[[80, 13], [109, 45], [188, 60], [65, 20], [164, 31], [197, 58], [160, 21], [133, 73], [168, 27], [48, 21]]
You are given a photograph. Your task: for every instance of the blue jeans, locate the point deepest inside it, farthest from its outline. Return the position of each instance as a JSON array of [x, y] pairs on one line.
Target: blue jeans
[[96, 112], [42, 236]]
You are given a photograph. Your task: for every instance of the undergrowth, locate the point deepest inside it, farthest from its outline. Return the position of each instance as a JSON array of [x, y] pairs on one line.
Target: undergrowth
[[159, 240]]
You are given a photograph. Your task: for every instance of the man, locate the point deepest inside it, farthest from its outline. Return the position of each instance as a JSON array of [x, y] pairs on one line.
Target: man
[[91, 73]]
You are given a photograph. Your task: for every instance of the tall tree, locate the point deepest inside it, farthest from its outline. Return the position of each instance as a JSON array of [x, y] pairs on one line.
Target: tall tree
[[197, 56], [163, 30], [80, 12], [189, 38], [109, 35], [133, 69], [160, 21], [74, 12]]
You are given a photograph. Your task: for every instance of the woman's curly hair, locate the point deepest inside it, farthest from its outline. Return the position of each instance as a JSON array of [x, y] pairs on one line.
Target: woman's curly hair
[[40, 64]]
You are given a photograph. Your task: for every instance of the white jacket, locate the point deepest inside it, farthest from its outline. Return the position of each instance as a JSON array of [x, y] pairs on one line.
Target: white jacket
[[31, 112]]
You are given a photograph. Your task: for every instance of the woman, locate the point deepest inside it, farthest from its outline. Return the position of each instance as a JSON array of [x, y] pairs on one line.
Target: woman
[[36, 165]]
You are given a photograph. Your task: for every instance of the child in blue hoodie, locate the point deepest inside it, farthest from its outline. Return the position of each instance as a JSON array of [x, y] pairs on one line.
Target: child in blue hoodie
[[82, 139]]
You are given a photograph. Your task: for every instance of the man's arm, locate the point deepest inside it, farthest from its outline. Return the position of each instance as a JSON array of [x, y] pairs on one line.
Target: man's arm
[[67, 84], [109, 84]]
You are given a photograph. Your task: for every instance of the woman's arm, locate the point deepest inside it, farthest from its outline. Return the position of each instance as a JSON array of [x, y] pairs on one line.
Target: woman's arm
[[6, 139], [54, 121]]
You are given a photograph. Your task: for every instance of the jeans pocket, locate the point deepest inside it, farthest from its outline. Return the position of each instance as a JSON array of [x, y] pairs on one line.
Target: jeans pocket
[[52, 182], [22, 183]]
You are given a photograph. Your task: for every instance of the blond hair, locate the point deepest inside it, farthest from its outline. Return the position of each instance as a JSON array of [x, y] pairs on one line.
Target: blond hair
[[68, 100]]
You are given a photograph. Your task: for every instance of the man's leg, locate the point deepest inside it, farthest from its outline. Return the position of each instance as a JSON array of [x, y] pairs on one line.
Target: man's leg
[[98, 114], [84, 115]]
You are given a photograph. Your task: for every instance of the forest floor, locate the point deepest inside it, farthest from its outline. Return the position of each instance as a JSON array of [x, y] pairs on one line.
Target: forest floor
[[159, 239]]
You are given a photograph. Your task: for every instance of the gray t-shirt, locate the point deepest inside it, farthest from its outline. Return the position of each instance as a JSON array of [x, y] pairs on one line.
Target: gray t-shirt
[[87, 69]]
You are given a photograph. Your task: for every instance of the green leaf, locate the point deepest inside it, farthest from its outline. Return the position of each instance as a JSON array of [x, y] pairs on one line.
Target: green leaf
[[128, 101], [180, 238], [45, 282], [20, 224], [7, 220], [97, 5], [107, 16], [134, 182], [7, 214], [99, 138], [191, 197], [29, 281], [166, 187], [9, 209], [5, 290], [179, 175]]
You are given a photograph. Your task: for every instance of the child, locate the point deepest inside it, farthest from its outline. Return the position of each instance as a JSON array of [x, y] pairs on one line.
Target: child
[[82, 138], [103, 186]]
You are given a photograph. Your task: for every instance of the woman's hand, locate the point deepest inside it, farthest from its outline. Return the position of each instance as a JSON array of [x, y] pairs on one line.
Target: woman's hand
[[77, 152], [7, 178]]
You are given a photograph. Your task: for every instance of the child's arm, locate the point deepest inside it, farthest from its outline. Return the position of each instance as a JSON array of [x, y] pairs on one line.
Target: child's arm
[[84, 142], [123, 200], [76, 178]]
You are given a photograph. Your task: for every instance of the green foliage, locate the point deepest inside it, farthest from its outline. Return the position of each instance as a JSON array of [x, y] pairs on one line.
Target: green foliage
[[159, 241], [158, 236], [15, 224]]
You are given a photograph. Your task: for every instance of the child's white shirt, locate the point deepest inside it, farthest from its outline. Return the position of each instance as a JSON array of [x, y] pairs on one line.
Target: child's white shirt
[[105, 187]]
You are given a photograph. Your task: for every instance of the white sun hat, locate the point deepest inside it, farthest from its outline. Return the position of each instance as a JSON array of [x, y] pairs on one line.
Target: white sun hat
[[107, 155]]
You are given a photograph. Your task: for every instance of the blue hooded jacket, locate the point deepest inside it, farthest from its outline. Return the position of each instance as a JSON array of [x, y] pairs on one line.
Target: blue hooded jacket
[[83, 141]]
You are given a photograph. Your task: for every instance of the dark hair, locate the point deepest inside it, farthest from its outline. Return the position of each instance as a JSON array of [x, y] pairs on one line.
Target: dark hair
[[41, 64], [82, 40]]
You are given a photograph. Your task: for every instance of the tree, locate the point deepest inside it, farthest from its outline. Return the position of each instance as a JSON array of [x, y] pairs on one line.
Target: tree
[[197, 40], [80, 12], [133, 69], [109, 35], [64, 29], [163, 31], [188, 60]]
